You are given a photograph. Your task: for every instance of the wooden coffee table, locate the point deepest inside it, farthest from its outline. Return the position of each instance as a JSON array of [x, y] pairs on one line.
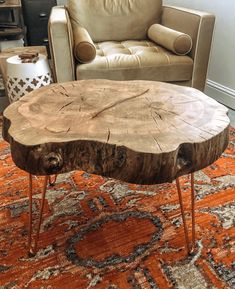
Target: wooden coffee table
[[137, 131]]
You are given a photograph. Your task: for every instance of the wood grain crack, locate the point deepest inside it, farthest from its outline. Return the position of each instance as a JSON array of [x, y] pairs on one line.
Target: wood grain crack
[[65, 91], [67, 104], [187, 122], [157, 143], [158, 114], [154, 119], [117, 103], [108, 136]]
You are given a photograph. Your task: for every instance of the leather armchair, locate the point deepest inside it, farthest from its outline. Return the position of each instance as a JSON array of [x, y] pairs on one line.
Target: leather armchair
[[114, 38]]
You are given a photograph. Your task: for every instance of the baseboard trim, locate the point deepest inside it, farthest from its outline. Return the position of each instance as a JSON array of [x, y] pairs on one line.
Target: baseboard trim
[[221, 93]]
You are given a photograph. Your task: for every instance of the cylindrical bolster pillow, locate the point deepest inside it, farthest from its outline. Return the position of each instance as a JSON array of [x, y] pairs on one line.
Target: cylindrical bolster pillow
[[178, 42], [84, 48]]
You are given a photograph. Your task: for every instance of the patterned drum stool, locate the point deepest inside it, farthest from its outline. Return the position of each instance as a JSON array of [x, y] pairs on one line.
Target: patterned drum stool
[[24, 77]]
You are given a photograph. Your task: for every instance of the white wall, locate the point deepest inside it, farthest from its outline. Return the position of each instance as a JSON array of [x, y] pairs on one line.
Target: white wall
[[221, 71], [61, 2]]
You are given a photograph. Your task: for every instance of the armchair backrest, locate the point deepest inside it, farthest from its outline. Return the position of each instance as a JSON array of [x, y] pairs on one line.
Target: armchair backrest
[[115, 19]]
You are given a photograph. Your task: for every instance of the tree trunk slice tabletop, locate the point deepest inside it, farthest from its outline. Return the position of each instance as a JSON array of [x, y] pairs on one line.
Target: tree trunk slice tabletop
[[137, 131]]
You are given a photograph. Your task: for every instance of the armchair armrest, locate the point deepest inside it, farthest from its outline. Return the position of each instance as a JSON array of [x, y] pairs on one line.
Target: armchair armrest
[[61, 44], [199, 25]]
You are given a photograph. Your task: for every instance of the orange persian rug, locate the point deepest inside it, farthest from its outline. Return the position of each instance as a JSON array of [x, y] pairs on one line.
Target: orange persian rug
[[100, 233]]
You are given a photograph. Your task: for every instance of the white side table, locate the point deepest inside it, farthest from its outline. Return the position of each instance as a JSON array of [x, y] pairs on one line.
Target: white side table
[[25, 77]]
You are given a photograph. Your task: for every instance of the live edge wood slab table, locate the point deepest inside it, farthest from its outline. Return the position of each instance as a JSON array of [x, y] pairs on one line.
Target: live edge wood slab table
[[137, 131]]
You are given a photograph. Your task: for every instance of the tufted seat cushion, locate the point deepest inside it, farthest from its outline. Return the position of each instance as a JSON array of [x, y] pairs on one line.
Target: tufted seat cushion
[[135, 59]]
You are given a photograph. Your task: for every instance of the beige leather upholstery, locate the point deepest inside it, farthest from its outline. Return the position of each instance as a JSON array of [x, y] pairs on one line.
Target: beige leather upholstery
[[175, 41], [199, 25], [115, 19], [118, 29], [83, 47], [61, 43], [135, 59]]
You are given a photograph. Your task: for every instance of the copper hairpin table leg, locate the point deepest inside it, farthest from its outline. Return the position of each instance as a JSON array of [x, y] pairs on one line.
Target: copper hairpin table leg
[[193, 210], [183, 215], [189, 250], [30, 212], [33, 249], [47, 179]]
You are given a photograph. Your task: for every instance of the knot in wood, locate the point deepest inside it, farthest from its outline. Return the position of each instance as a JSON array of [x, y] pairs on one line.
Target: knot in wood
[[53, 162], [184, 159], [120, 157]]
